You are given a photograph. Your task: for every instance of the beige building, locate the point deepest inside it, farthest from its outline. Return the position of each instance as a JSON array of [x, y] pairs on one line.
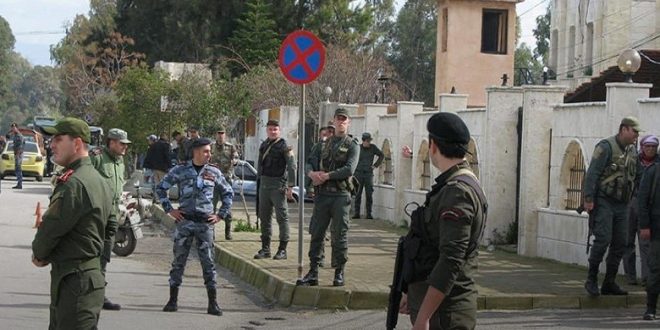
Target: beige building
[[475, 46], [587, 36]]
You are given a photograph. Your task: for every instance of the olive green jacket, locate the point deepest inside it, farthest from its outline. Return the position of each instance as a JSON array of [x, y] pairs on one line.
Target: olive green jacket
[[74, 225], [112, 170]]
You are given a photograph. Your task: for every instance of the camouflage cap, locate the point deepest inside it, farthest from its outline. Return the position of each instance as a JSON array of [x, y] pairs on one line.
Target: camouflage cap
[[118, 134], [273, 122], [366, 136], [72, 127], [631, 122], [342, 112], [221, 129]]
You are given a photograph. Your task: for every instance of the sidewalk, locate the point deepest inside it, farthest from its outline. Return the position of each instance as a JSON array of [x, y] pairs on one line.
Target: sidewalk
[[505, 280]]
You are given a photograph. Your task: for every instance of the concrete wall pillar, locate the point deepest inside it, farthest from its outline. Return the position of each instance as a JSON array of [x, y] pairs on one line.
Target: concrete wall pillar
[[452, 102], [498, 156], [622, 101], [538, 103], [404, 167]]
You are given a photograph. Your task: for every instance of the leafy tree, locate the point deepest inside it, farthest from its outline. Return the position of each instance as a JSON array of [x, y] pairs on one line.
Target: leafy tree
[[340, 22], [256, 40], [414, 48], [527, 68], [542, 35], [6, 52]]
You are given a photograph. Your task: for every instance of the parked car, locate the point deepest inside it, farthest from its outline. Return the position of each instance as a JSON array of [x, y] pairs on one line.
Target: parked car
[[245, 177], [33, 161]]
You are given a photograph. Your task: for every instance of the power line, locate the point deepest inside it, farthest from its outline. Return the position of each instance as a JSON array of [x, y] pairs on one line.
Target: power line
[[530, 9], [39, 32]]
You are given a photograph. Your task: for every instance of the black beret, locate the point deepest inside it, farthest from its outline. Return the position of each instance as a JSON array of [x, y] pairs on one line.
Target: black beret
[[366, 136], [448, 127], [200, 142], [273, 122]]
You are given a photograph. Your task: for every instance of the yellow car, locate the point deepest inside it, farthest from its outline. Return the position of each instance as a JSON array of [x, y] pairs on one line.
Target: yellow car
[[33, 161]]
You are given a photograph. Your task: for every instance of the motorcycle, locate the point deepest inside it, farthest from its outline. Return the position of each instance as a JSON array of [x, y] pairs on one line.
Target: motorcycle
[[131, 212]]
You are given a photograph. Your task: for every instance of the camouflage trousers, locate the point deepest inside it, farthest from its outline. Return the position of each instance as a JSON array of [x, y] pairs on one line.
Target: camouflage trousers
[[203, 233], [330, 211]]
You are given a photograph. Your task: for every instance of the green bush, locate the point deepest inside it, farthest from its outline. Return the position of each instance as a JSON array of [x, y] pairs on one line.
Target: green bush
[[244, 226]]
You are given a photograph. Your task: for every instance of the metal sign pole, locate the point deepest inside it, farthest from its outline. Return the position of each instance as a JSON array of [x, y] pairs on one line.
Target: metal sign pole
[[301, 179]]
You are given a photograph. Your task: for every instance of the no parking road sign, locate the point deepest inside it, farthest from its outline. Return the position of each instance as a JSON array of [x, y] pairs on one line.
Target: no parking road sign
[[302, 57]]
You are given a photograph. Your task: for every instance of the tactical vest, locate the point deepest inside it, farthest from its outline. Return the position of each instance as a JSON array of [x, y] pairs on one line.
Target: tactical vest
[[273, 162], [618, 179], [421, 247], [334, 156]]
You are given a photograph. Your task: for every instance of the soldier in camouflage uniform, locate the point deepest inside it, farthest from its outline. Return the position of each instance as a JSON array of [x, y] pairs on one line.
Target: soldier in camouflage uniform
[[364, 173], [110, 164], [277, 174], [608, 187], [441, 291], [224, 157], [71, 236], [333, 185], [19, 143], [195, 218]]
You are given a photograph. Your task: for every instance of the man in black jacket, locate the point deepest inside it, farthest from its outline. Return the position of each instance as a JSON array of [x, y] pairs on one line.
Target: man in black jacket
[[158, 158], [649, 229]]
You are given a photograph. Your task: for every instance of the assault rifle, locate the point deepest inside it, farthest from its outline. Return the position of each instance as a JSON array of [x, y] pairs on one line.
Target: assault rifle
[[396, 288], [592, 216]]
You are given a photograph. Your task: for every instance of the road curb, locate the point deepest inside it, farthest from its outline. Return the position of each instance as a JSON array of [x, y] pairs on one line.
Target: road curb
[[285, 293]]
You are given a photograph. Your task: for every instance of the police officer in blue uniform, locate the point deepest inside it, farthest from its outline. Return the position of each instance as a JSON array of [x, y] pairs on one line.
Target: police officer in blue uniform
[[194, 218]]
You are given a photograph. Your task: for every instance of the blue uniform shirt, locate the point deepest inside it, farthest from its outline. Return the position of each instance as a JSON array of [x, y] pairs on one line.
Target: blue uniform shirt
[[196, 190]]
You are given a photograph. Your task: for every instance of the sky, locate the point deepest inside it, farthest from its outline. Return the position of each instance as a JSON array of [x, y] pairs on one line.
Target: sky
[[38, 24]]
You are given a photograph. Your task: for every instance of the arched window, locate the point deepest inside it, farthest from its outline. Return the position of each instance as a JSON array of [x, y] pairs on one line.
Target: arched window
[[423, 167], [386, 174], [473, 157], [571, 176]]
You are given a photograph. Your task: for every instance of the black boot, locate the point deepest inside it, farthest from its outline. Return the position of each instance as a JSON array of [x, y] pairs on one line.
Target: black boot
[[591, 285], [108, 305], [609, 286], [171, 304], [339, 277], [651, 302], [265, 250], [369, 216], [311, 279], [228, 229], [213, 308], [281, 251]]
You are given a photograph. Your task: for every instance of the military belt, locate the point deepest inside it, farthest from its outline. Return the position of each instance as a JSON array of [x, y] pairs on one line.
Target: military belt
[[77, 264]]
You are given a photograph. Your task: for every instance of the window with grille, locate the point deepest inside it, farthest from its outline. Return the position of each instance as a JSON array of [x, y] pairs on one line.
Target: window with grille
[[574, 170], [424, 167], [387, 169], [472, 157]]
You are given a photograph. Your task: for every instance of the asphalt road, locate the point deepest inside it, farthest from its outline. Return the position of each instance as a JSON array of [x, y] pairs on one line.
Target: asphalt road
[[139, 283]]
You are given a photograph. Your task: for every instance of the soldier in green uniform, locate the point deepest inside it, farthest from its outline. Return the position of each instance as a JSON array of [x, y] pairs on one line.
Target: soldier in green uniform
[[185, 147], [224, 157], [110, 164], [364, 173], [649, 229], [608, 187], [71, 235], [442, 292], [325, 133], [277, 174], [332, 206]]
